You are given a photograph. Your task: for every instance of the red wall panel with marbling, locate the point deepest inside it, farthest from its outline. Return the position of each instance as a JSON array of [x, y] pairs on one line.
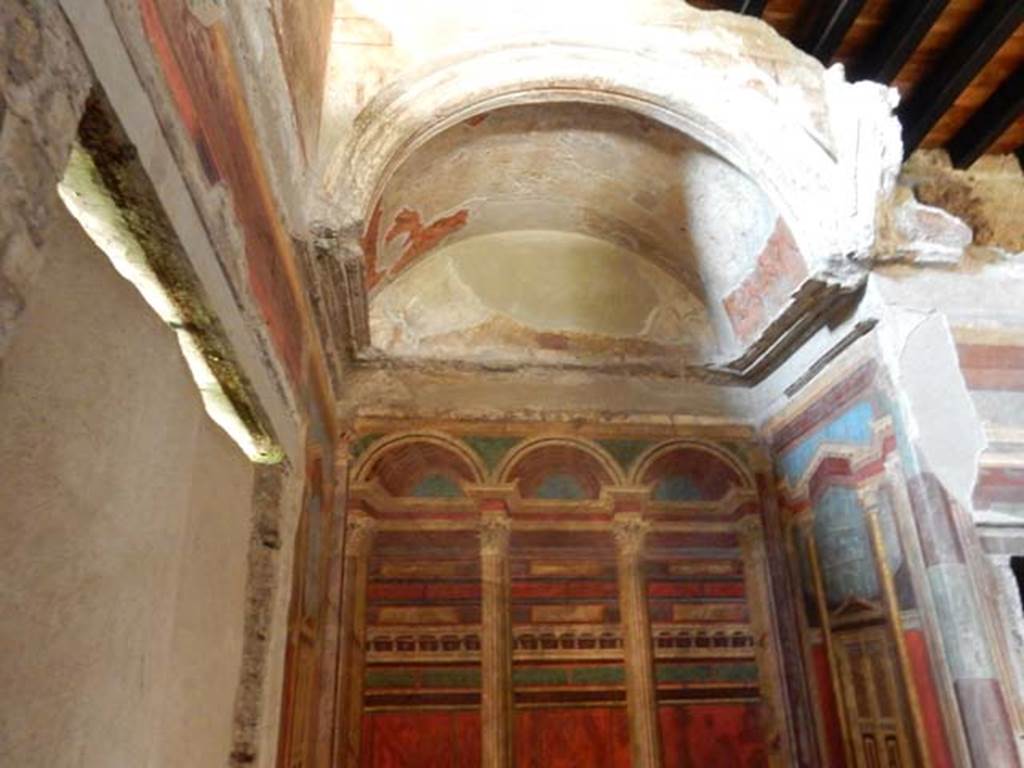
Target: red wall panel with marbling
[[829, 710], [596, 737], [712, 735], [928, 696], [431, 739]]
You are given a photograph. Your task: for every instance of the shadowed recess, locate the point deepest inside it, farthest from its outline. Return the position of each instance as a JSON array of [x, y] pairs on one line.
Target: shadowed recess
[[559, 472], [421, 469], [690, 474]]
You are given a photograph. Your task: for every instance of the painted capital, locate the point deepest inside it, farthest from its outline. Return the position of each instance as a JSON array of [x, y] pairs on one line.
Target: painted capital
[[629, 532], [343, 450], [494, 533], [868, 495], [359, 530], [750, 525]]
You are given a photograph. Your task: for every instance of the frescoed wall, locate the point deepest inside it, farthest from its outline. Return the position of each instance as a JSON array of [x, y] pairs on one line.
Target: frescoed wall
[[533, 599], [855, 560]]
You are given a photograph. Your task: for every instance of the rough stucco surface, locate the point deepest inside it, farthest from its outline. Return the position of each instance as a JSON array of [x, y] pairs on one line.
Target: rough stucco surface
[[536, 296], [561, 176], [126, 529], [43, 83], [988, 196]]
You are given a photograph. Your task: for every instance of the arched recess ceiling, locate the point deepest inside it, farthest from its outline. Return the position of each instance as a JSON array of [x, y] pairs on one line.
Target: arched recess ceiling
[[823, 151], [562, 233]]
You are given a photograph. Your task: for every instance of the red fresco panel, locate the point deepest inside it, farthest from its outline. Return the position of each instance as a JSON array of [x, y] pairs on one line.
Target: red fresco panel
[[709, 589], [563, 589], [712, 736], [421, 740], [938, 747], [595, 737], [829, 713]]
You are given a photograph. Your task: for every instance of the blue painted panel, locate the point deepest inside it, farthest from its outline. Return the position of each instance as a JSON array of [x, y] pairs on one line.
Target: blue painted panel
[[677, 488], [560, 486], [844, 546], [436, 486], [851, 426]]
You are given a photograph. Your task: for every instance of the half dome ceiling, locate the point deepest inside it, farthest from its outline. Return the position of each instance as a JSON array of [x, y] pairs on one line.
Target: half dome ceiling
[[563, 233]]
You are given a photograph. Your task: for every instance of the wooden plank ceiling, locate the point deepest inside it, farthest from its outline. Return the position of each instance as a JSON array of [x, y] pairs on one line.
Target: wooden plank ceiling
[[958, 64]]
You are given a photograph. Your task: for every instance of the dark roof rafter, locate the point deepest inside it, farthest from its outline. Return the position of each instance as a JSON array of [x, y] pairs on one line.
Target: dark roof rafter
[[748, 7], [972, 50], [899, 38], [828, 26], [989, 122]]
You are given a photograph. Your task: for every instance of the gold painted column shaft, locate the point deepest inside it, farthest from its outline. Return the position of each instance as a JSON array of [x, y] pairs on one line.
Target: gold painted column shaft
[[895, 626], [495, 637], [352, 629], [849, 744], [641, 697]]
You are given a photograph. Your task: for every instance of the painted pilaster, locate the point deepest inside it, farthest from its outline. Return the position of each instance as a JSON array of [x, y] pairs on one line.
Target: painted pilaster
[[630, 530], [904, 516], [332, 645], [495, 636], [801, 727], [961, 623], [759, 597], [352, 632], [941, 424]]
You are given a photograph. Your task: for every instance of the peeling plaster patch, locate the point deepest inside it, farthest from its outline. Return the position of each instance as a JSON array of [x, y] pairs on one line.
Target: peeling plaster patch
[[590, 169], [512, 295], [913, 232], [756, 300], [946, 428], [988, 196], [419, 238]]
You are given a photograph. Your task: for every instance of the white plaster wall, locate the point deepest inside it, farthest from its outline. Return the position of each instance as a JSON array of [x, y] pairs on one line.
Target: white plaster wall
[[125, 528]]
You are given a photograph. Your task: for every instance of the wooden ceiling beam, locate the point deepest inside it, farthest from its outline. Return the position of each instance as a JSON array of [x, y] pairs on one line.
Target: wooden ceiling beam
[[828, 26], [747, 7], [969, 54], [989, 122], [899, 38]]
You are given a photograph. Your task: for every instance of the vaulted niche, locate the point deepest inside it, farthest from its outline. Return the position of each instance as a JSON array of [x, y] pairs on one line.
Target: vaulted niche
[[574, 234]]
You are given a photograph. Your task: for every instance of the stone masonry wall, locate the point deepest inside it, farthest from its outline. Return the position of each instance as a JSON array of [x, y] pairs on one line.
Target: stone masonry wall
[[44, 81]]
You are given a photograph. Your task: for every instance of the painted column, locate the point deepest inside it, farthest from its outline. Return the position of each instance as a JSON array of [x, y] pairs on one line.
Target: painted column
[[327, 723], [630, 530], [978, 690], [352, 630], [851, 747], [495, 636], [891, 605], [785, 608], [903, 513], [759, 598]]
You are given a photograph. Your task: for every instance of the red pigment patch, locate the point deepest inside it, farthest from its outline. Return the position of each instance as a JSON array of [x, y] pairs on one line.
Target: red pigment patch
[[762, 293], [418, 238], [474, 121], [552, 341], [197, 68], [995, 367], [173, 76], [368, 242]]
